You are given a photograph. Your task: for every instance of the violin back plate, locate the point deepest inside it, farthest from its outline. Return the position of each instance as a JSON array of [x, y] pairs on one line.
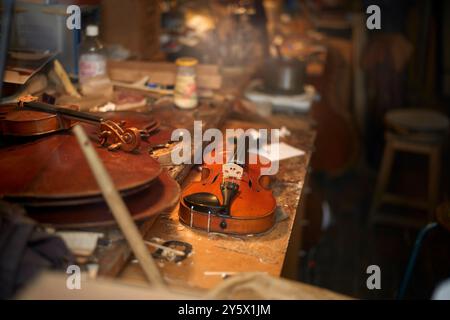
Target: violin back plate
[[54, 167], [161, 195]]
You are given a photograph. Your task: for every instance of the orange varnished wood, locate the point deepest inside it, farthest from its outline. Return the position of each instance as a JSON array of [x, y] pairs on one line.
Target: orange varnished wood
[[52, 167], [252, 210], [50, 176], [26, 123], [161, 195]]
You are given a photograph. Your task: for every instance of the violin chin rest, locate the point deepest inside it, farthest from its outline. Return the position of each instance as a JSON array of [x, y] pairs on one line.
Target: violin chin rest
[[204, 202]]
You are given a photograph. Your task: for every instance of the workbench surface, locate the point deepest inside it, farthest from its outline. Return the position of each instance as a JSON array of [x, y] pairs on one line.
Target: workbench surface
[[215, 255]]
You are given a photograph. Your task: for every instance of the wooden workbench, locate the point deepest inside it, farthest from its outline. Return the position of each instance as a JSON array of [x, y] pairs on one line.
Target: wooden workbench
[[113, 256], [214, 255]]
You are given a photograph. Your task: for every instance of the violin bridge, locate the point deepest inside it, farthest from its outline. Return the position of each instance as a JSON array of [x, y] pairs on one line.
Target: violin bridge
[[232, 171]]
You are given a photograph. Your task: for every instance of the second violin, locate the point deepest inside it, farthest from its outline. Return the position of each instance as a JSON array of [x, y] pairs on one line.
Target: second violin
[[33, 118], [232, 197]]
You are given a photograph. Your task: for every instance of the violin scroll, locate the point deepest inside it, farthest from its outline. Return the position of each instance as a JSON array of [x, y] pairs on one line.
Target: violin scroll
[[115, 136]]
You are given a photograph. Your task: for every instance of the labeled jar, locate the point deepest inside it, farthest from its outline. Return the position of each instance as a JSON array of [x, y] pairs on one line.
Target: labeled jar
[[185, 95]]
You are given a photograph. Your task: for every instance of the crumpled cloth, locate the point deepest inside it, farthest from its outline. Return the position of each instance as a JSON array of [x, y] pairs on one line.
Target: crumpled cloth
[[25, 250]]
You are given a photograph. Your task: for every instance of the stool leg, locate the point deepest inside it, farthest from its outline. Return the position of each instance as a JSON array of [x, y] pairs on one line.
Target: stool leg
[[433, 181], [412, 259], [383, 178]]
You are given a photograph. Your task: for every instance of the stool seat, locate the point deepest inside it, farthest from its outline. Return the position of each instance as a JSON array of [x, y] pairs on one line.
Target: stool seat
[[417, 120]]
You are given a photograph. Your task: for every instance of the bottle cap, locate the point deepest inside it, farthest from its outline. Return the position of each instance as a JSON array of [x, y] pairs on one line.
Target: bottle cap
[[92, 30], [186, 62]]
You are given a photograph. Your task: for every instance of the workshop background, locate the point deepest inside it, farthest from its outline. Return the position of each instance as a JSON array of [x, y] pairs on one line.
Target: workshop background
[[377, 189]]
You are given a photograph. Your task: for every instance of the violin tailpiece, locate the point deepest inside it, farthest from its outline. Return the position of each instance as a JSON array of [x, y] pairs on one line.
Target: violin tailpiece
[[229, 191]]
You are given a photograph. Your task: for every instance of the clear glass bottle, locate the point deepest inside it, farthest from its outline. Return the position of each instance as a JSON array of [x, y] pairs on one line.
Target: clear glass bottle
[[185, 83], [92, 61]]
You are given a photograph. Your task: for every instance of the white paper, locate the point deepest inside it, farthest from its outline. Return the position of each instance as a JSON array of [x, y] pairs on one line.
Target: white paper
[[279, 151]]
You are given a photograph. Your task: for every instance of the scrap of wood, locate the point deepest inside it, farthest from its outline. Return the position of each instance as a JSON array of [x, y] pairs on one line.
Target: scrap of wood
[[64, 78]]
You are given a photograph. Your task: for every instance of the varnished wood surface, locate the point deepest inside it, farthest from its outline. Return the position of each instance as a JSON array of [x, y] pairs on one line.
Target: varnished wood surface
[[162, 194], [53, 167]]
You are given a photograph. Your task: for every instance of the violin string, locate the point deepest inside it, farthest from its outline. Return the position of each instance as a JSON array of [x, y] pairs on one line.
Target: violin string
[[209, 219]]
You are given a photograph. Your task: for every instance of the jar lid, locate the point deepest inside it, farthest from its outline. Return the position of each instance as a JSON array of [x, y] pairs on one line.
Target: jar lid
[[92, 30], [186, 62]]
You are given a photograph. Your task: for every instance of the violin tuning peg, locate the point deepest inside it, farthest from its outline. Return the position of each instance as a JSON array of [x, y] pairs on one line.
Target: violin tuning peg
[[114, 147]]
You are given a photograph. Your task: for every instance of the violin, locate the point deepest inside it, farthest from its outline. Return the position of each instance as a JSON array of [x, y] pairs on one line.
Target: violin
[[49, 175], [33, 118], [232, 197]]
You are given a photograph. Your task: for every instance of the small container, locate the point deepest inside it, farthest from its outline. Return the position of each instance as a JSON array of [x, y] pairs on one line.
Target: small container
[[185, 95]]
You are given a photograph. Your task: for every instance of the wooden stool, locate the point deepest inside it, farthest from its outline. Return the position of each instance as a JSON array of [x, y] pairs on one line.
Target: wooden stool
[[415, 131]]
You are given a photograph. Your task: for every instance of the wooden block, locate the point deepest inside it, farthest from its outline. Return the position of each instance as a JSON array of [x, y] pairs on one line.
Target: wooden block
[[208, 76]]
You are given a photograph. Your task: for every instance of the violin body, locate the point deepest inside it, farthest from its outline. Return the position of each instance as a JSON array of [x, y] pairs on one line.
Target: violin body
[[49, 175], [25, 123], [17, 121], [33, 118], [227, 203]]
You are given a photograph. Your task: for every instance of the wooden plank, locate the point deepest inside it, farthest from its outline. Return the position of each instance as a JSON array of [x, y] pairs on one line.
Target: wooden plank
[[160, 66], [164, 73], [404, 201], [116, 255]]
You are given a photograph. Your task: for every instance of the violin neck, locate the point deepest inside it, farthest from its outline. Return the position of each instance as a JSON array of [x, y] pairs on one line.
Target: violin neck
[[65, 112]]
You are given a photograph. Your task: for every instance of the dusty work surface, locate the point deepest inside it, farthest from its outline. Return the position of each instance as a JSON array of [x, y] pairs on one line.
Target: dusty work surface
[[113, 257], [215, 255]]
